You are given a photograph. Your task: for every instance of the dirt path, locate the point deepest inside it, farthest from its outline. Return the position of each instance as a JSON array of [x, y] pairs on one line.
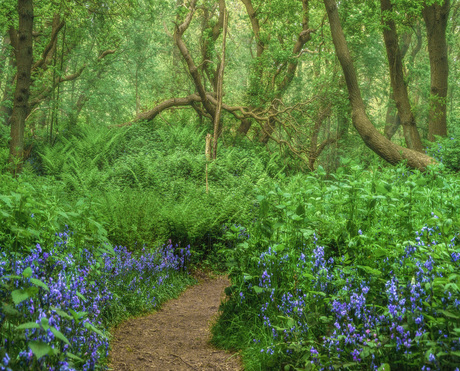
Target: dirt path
[[176, 337]]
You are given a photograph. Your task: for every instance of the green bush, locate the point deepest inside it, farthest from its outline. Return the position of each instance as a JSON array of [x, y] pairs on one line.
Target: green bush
[[326, 254], [150, 183], [447, 152], [33, 209]]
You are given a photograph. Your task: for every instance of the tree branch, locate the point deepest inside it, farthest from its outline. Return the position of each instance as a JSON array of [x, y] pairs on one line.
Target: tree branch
[[169, 103], [178, 32], [51, 46]]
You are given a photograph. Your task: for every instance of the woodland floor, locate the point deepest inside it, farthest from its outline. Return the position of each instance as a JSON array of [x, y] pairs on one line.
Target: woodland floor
[[177, 336]]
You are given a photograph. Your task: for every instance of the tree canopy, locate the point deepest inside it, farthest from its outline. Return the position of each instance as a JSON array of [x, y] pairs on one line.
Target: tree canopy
[[292, 75]]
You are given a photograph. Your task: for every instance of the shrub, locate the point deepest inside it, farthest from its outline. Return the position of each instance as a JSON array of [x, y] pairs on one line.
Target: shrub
[[447, 152], [332, 276]]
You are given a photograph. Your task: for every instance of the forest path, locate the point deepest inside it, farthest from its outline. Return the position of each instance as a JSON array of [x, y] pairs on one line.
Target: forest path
[[176, 337]]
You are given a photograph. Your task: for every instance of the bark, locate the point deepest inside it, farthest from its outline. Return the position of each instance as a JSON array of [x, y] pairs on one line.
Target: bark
[[83, 98], [291, 66], [208, 40], [255, 26], [169, 103], [5, 107], [246, 124], [398, 85], [4, 56], [50, 48], [24, 58], [48, 90], [45, 93], [315, 150], [302, 39], [436, 17], [178, 32], [383, 147], [244, 127], [239, 112], [393, 121], [219, 88]]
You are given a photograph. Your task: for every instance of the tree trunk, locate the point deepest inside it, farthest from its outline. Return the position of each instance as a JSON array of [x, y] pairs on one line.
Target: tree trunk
[[303, 37], [24, 57], [389, 151], [6, 108], [219, 88], [268, 129], [436, 17], [244, 126], [192, 68], [398, 85], [392, 120], [4, 56]]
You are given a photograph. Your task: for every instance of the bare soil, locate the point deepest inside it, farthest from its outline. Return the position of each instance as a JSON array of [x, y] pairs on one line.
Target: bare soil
[[176, 337]]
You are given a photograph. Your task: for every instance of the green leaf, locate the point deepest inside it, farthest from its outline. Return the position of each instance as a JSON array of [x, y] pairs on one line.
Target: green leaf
[[384, 367], [59, 335], [280, 248], [39, 348], [19, 296], [45, 323], [9, 310], [6, 200], [27, 272], [300, 210], [317, 293], [81, 296], [448, 314], [307, 232], [320, 171], [257, 289], [5, 214], [77, 315], [370, 270], [39, 283], [12, 277], [89, 326], [28, 325], [62, 313], [73, 356]]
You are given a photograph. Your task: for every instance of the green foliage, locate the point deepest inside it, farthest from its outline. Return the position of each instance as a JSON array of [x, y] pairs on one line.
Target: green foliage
[[33, 209], [148, 186], [57, 302], [446, 151], [318, 241], [77, 161]]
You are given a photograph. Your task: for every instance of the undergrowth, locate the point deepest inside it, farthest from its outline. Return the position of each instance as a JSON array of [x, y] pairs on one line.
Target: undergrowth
[[358, 271], [59, 302], [148, 185], [355, 269]]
